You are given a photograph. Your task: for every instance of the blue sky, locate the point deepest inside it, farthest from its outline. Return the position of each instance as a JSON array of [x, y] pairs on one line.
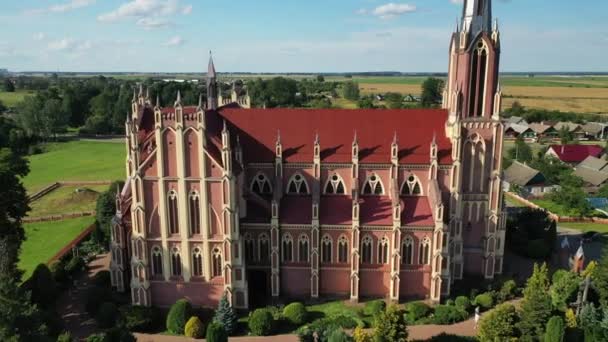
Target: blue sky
[[289, 35]]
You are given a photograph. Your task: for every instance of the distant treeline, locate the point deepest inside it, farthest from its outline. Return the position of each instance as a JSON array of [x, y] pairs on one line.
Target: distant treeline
[[539, 115]]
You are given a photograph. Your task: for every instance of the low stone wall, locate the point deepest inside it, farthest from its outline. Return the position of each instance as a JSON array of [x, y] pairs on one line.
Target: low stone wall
[[554, 216], [58, 217]]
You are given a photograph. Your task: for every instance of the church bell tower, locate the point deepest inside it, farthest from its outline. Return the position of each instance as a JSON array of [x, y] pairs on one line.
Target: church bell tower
[[472, 97]]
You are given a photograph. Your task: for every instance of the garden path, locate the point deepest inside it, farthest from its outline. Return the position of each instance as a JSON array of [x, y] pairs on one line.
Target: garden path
[[70, 305]]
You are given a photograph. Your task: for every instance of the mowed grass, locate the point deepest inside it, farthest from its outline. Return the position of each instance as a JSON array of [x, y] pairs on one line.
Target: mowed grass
[[45, 239], [67, 199], [76, 161], [585, 227], [12, 99]]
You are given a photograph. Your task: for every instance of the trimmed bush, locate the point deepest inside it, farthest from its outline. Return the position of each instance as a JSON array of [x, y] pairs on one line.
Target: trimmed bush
[[106, 315], [445, 314], [296, 313], [360, 335], [508, 291], [462, 303], [194, 328], [555, 330], [140, 318], [225, 315], [416, 311], [374, 307], [261, 322], [178, 315], [43, 286], [322, 328], [216, 333], [391, 325], [339, 335], [484, 300], [499, 324], [65, 337]]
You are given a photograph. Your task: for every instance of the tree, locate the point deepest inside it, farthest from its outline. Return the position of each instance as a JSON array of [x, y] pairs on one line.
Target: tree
[[226, 316], [498, 324], [9, 86], [536, 306], [555, 330], [366, 103], [351, 90], [178, 315], [432, 92], [564, 288], [391, 325], [394, 100], [53, 118], [572, 196], [320, 78], [565, 136], [600, 277], [521, 151], [19, 319], [2, 107], [532, 233], [603, 191]]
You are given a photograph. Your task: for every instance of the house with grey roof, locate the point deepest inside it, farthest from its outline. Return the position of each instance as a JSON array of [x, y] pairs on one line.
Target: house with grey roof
[[525, 180], [594, 172], [594, 163], [513, 131], [595, 130], [574, 128], [518, 120]]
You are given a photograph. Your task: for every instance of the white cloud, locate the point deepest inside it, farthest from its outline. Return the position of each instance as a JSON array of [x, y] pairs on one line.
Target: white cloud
[[39, 36], [70, 45], [147, 13], [391, 10], [62, 7], [175, 41]]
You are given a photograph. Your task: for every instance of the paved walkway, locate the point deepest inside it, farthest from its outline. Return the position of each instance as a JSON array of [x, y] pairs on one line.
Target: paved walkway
[[70, 305]]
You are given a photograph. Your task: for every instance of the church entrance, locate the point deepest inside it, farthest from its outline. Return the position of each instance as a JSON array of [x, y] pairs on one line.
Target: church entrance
[[259, 288]]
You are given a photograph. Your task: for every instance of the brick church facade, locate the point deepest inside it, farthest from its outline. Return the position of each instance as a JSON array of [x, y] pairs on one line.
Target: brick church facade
[[304, 203]]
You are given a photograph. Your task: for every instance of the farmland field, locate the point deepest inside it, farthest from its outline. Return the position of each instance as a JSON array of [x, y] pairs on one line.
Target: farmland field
[[12, 99], [45, 239], [76, 161], [67, 199]]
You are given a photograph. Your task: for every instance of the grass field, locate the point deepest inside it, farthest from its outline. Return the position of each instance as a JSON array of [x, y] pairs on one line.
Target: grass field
[[585, 227], [45, 239], [67, 200], [12, 99], [76, 160]]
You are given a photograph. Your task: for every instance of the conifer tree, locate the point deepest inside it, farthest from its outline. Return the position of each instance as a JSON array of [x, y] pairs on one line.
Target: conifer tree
[[226, 316], [536, 306]]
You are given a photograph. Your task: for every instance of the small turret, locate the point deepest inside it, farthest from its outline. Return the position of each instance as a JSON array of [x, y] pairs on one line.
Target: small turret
[[212, 96], [178, 100]]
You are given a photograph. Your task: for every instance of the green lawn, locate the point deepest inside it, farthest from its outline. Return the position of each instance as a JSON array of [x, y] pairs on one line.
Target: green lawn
[[585, 227], [12, 99], [76, 161], [67, 199], [45, 239]]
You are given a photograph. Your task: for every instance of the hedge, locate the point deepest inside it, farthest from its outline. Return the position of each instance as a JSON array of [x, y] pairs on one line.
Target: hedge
[[484, 300], [178, 315], [463, 303], [374, 307], [216, 333], [416, 311], [445, 314]]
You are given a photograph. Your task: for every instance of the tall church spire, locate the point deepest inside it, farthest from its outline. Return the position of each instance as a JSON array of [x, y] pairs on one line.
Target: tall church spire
[[477, 16], [211, 85]]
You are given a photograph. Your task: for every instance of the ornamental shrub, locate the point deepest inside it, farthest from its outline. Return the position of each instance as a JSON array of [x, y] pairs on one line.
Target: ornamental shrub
[[449, 302], [346, 321], [261, 322], [194, 328], [106, 315], [65, 337], [484, 300], [75, 265], [508, 291], [462, 303], [445, 314], [178, 315], [498, 324], [339, 335], [416, 311], [374, 307], [555, 330], [216, 333], [360, 335], [226, 316], [296, 313], [391, 325], [322, 328], [140, 318]]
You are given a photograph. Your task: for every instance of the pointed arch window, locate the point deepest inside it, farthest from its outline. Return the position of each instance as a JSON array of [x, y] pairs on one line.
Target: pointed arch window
[[157, 261], [411, 186], [366, 250], [197, 262], [297, 185], [176, 262], [173, 212], [249, 248], [264, 248], [342, 249], [407, 251], [261, 185], [477, 89], [303, 248], [424, 257], [216, 267], [335, 185], [373, 186], [326, 249], [195, 213], [383, 251], [287, 248]]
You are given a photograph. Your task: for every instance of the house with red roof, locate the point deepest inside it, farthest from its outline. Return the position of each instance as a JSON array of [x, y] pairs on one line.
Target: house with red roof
[[574, 153], [264, 204]]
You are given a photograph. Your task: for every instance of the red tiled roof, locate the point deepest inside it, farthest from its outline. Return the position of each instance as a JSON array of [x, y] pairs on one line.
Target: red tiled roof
[[336, 210], [416, 212], [376, 211], [296, 210], [256, 213], [576, 153], [185, 110], [375, 129]]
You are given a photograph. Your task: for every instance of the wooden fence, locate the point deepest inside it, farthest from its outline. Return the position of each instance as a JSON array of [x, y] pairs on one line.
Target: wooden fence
[[58, 217]]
